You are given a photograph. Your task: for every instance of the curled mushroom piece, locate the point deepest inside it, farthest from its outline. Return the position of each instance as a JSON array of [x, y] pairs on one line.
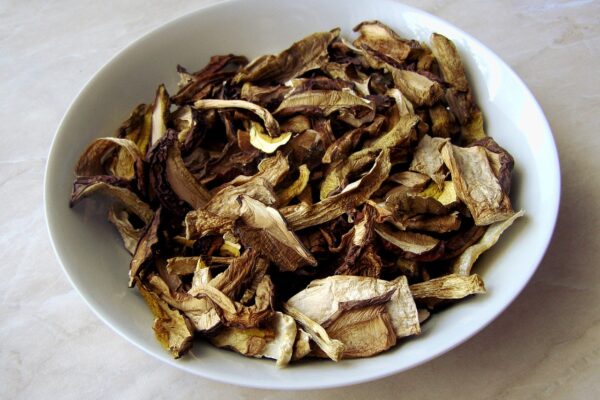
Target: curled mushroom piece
[[304, 204], [304, 55]]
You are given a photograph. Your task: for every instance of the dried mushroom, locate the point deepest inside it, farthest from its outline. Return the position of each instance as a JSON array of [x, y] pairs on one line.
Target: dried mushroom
[[321, 202]]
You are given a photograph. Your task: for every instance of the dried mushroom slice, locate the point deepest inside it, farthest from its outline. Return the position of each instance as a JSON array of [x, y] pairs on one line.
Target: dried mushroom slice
[[302, 216], [108, 186], [353, 109], [302, 345], [365, 331], [418, 88], [402, 134], [443, 124], [463, 264], [130, 235], [119, 157], [304, 55], [238, 275], [276, 340], [337, 177], [381, 41], [331, 347], [271, 124], [476, 185], [324, 300], [144, 251], [160, 115], [264, 142], [449, 61], [410, 242], [428, 159], [265, 229], [448, 287], [172, 329], [199, 223], [201, 83], [295, 188]]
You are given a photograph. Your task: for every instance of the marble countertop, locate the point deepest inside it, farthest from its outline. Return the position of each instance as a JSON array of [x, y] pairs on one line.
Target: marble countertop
[[546, 345]]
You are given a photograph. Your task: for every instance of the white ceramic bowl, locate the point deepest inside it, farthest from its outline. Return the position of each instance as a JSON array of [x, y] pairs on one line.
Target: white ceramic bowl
[[96, 263]]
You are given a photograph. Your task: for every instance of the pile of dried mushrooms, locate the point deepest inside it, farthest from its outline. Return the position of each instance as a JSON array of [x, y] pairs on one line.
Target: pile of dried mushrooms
[[318, 202]]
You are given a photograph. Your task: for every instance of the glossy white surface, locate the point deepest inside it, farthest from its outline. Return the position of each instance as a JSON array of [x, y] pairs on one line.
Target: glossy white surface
[[544, 346]]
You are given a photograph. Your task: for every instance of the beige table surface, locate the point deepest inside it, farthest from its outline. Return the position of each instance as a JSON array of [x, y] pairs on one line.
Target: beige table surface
[[546, 345]]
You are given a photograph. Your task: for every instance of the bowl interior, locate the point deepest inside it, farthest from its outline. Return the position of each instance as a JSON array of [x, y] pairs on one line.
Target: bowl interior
[[96, 263]]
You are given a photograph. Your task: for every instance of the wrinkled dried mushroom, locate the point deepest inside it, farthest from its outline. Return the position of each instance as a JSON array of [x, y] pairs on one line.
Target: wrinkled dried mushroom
[[319, 202]]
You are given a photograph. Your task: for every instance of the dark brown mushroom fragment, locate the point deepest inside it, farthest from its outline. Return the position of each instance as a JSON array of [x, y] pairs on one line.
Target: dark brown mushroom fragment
[[304, 55]]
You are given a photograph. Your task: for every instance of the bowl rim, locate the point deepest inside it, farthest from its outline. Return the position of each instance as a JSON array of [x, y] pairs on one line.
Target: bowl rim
[[552, 206]]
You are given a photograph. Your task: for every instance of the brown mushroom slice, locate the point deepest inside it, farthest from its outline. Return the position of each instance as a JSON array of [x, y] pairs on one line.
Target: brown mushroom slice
[[265, 229], [271, 124], [266, 143], [433, 223], [302, 215], [473, 130], [448, 287], [260, 270], [265, 96], [402, 309], [463, 264], [203, 315], [476, 185], [286, 195], [501, 161], [296, 124], [304, 55], [182, 265], [199, 223], [175, 187], [365, 331], [160, 115], [410, 242], [145, 248], [181, 180], [225, 203], [331, 347], [137, 129], [449, 61], [336, 177], [121, 157], [359, 80], [172, 329], [360, 258], [259, 187], [443, 124], [445, 195], [236, 314], [185, 122], [307, 148], [343, 146], [238, 275], [428, 159], [275, 340], [413, 180], [400, 135], [302, 345], [85, 187], [353, 109], [324, 300], [419, 89], [382, 41], [130, 235]]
